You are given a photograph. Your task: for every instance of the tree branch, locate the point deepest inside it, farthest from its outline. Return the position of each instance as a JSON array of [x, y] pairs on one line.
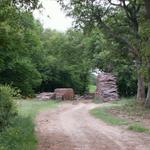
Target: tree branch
[[114, 4], [117, 37]]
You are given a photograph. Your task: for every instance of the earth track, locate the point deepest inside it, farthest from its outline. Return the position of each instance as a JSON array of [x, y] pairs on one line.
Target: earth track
[[71, 127]]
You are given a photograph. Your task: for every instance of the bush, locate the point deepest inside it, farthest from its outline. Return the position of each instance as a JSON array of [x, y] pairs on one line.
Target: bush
[[19, 136], [7, 106]]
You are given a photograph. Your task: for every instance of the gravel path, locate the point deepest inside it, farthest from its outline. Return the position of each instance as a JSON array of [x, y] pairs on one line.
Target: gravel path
[[71, 127]]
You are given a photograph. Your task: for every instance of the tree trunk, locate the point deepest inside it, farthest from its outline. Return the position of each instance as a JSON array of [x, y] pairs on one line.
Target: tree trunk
[[147, 103], [141, 88], [147, 7], [140, 84]]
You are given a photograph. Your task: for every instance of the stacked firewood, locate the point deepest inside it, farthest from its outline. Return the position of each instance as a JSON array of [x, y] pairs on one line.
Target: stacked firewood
[[58, 94], [106, 87]]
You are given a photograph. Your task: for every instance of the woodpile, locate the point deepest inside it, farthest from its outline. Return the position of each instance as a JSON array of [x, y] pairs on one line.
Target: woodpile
[[64, 94], [58, 94], [46, 96], [106, 89]]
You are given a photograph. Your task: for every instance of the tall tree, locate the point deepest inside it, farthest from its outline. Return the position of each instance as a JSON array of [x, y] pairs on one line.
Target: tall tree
[[19, 41], [91, 13], [146, 36], [147, 7]]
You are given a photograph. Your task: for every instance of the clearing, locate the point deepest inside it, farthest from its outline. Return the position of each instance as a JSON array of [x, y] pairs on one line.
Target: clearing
[[71, 127]]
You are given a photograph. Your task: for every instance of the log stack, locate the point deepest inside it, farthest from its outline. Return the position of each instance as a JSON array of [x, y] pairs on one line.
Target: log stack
[[58, 94], [46, 96], [106, 89], [64, 94]]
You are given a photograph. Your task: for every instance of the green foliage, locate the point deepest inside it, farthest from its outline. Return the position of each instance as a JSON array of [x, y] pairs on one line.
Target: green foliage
[[109, 56], [23, 75], [19, 38], [107, 117], [92, 79], [139, 128], [33, 59], [65, 64], [7, 106], [124, 50], [92, 88], [20, 134]]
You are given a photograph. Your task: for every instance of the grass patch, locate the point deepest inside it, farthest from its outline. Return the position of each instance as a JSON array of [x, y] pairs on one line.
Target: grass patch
[[92, 88], [102, 113], [20, 135], [131, 107], [139, 128], [128, 107], [32, 107]]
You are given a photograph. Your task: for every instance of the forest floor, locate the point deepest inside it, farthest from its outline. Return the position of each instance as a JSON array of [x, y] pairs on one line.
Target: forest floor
[[72, 127]]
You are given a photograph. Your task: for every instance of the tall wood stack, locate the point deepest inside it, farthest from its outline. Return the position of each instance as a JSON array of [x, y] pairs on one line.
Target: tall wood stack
[[106, 87]]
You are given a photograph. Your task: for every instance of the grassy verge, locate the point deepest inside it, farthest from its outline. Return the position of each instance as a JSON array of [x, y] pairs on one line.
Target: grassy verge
[[30, 108], [20, 135], [102, 113], [128, 107], [139, 128]]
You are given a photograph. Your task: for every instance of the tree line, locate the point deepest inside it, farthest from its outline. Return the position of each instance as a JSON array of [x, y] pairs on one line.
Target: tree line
[[34, 59], [111, 36], [126, 27]]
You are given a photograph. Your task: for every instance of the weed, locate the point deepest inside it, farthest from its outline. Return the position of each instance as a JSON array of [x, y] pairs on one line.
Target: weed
[[20, 134]]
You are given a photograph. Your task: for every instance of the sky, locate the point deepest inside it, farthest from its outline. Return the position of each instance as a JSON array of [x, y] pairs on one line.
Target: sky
[[51, 16]]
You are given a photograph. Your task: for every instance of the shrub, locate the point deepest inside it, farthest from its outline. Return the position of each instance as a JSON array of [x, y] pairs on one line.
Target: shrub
[[19, 136], [7, 105]]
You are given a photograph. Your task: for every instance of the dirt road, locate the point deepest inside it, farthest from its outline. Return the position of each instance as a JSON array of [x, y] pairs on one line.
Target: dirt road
[[71, 127]]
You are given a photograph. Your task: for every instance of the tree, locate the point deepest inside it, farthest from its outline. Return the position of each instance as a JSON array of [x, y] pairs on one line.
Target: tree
[[19, 43], [147, 7], [109, 56], [107, 15], [146, 38], [64, 62]]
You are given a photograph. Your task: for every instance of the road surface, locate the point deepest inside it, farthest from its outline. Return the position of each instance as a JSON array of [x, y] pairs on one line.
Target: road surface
[[71, 127]]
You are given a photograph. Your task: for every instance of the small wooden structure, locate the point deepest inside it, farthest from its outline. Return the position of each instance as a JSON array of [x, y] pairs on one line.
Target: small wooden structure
[[64, 94], [106, 87]]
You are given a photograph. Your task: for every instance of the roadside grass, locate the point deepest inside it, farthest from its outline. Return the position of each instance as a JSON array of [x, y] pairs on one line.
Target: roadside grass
[[102, 113], [92, 88], [139, 128], [30, 108], [130, 107], [20, 134]]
